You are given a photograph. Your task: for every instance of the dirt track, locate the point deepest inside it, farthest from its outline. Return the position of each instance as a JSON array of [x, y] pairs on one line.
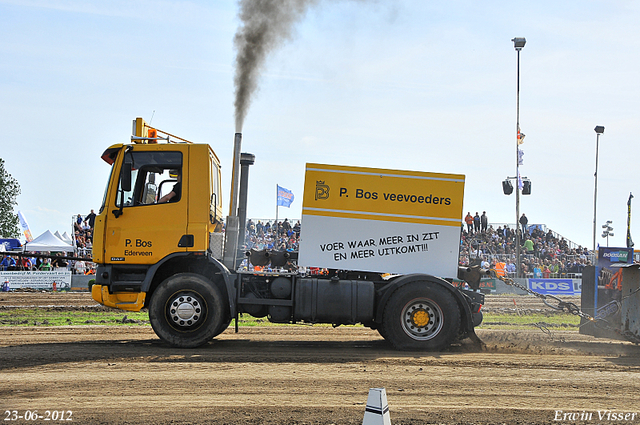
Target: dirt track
[[303, 374]]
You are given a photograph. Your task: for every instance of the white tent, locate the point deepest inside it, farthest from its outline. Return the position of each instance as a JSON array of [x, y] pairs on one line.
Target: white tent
[[48, 242], [63, 237], [66, 238]]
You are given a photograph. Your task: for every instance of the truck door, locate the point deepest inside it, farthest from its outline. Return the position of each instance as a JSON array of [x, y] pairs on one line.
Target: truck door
[[150, 214]]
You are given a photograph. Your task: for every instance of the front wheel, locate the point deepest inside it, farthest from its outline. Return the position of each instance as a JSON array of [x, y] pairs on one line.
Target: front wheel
[[186, 310], [421, 316]]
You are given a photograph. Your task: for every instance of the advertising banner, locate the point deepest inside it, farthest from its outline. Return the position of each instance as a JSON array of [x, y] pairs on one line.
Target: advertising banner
[[607, 275], [386, 221], [10, 244], [25, 227], [37, 280], [555, 286], [486, 285]]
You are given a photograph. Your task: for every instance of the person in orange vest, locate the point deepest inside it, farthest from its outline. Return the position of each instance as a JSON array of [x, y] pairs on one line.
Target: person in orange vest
[[501, 268], [469, 220]]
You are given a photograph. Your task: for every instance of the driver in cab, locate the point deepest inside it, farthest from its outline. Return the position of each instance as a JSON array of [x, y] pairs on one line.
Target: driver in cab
[[174, 195]]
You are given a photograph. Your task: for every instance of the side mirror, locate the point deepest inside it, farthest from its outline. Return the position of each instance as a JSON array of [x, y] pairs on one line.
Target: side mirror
[[126, 177]]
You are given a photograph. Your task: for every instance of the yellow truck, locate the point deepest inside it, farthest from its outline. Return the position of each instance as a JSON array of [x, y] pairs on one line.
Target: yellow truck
[[387, 241]]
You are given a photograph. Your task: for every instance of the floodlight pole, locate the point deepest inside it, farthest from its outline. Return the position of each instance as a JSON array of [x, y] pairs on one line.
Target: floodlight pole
[[518, 44], [599, 130]]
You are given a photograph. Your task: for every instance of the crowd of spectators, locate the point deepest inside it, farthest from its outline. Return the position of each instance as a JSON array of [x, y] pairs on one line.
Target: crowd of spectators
[[83, 232], [48, 261], [544, 254], [45, 261], [280, 235]]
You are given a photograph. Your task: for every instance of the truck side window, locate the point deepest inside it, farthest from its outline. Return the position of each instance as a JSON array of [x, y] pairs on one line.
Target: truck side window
[[215, 180], [170, 189], [216, 201], [149, 173]]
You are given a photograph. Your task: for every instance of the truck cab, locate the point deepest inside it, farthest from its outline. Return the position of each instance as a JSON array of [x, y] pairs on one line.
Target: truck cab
[[136, 230]]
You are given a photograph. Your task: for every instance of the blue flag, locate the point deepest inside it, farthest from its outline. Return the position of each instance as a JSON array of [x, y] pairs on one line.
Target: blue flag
[[285, 197]]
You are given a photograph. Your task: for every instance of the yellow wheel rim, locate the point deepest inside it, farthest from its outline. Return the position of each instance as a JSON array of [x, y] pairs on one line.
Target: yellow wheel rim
[[420, 318]]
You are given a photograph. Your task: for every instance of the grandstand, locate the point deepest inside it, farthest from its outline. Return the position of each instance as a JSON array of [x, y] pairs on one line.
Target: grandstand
[[544, 253]]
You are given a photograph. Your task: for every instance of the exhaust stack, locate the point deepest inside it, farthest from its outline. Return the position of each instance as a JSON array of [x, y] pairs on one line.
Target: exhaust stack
[[233, 225], [235, 177], [246, 160]]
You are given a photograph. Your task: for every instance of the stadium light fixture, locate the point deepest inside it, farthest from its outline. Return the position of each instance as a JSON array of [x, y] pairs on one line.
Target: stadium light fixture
[[519, 42], [608, 231]]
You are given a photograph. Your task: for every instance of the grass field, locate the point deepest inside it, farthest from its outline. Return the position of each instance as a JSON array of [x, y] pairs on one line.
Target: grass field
[[66, 317], [71, 317], [529, 321]]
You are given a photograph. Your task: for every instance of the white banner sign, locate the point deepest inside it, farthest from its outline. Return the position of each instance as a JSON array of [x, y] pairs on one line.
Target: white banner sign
[[380, 246], [386, 221], [37, 280]]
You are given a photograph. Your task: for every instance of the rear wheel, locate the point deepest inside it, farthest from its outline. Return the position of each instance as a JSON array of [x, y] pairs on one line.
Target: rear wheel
[[421, 316], [186, 310]]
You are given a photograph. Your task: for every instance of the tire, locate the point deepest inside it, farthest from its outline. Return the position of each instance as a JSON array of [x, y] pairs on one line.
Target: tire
[[421, 316], [223, 327], [186, 310]]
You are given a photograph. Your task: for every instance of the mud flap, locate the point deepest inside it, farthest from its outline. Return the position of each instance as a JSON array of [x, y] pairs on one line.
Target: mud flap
[[477, 342]]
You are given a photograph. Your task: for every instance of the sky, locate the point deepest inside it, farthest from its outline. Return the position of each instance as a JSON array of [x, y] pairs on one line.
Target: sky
[[411, 85]]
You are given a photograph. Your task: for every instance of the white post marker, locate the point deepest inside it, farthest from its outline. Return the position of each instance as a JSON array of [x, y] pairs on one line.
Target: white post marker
[[377, 410]]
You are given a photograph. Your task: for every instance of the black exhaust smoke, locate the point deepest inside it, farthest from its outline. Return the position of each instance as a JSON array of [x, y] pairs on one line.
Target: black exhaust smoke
[[265, 24]]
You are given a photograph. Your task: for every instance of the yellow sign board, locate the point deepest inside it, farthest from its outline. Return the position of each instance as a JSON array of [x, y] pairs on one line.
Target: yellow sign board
[[381, 220]]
